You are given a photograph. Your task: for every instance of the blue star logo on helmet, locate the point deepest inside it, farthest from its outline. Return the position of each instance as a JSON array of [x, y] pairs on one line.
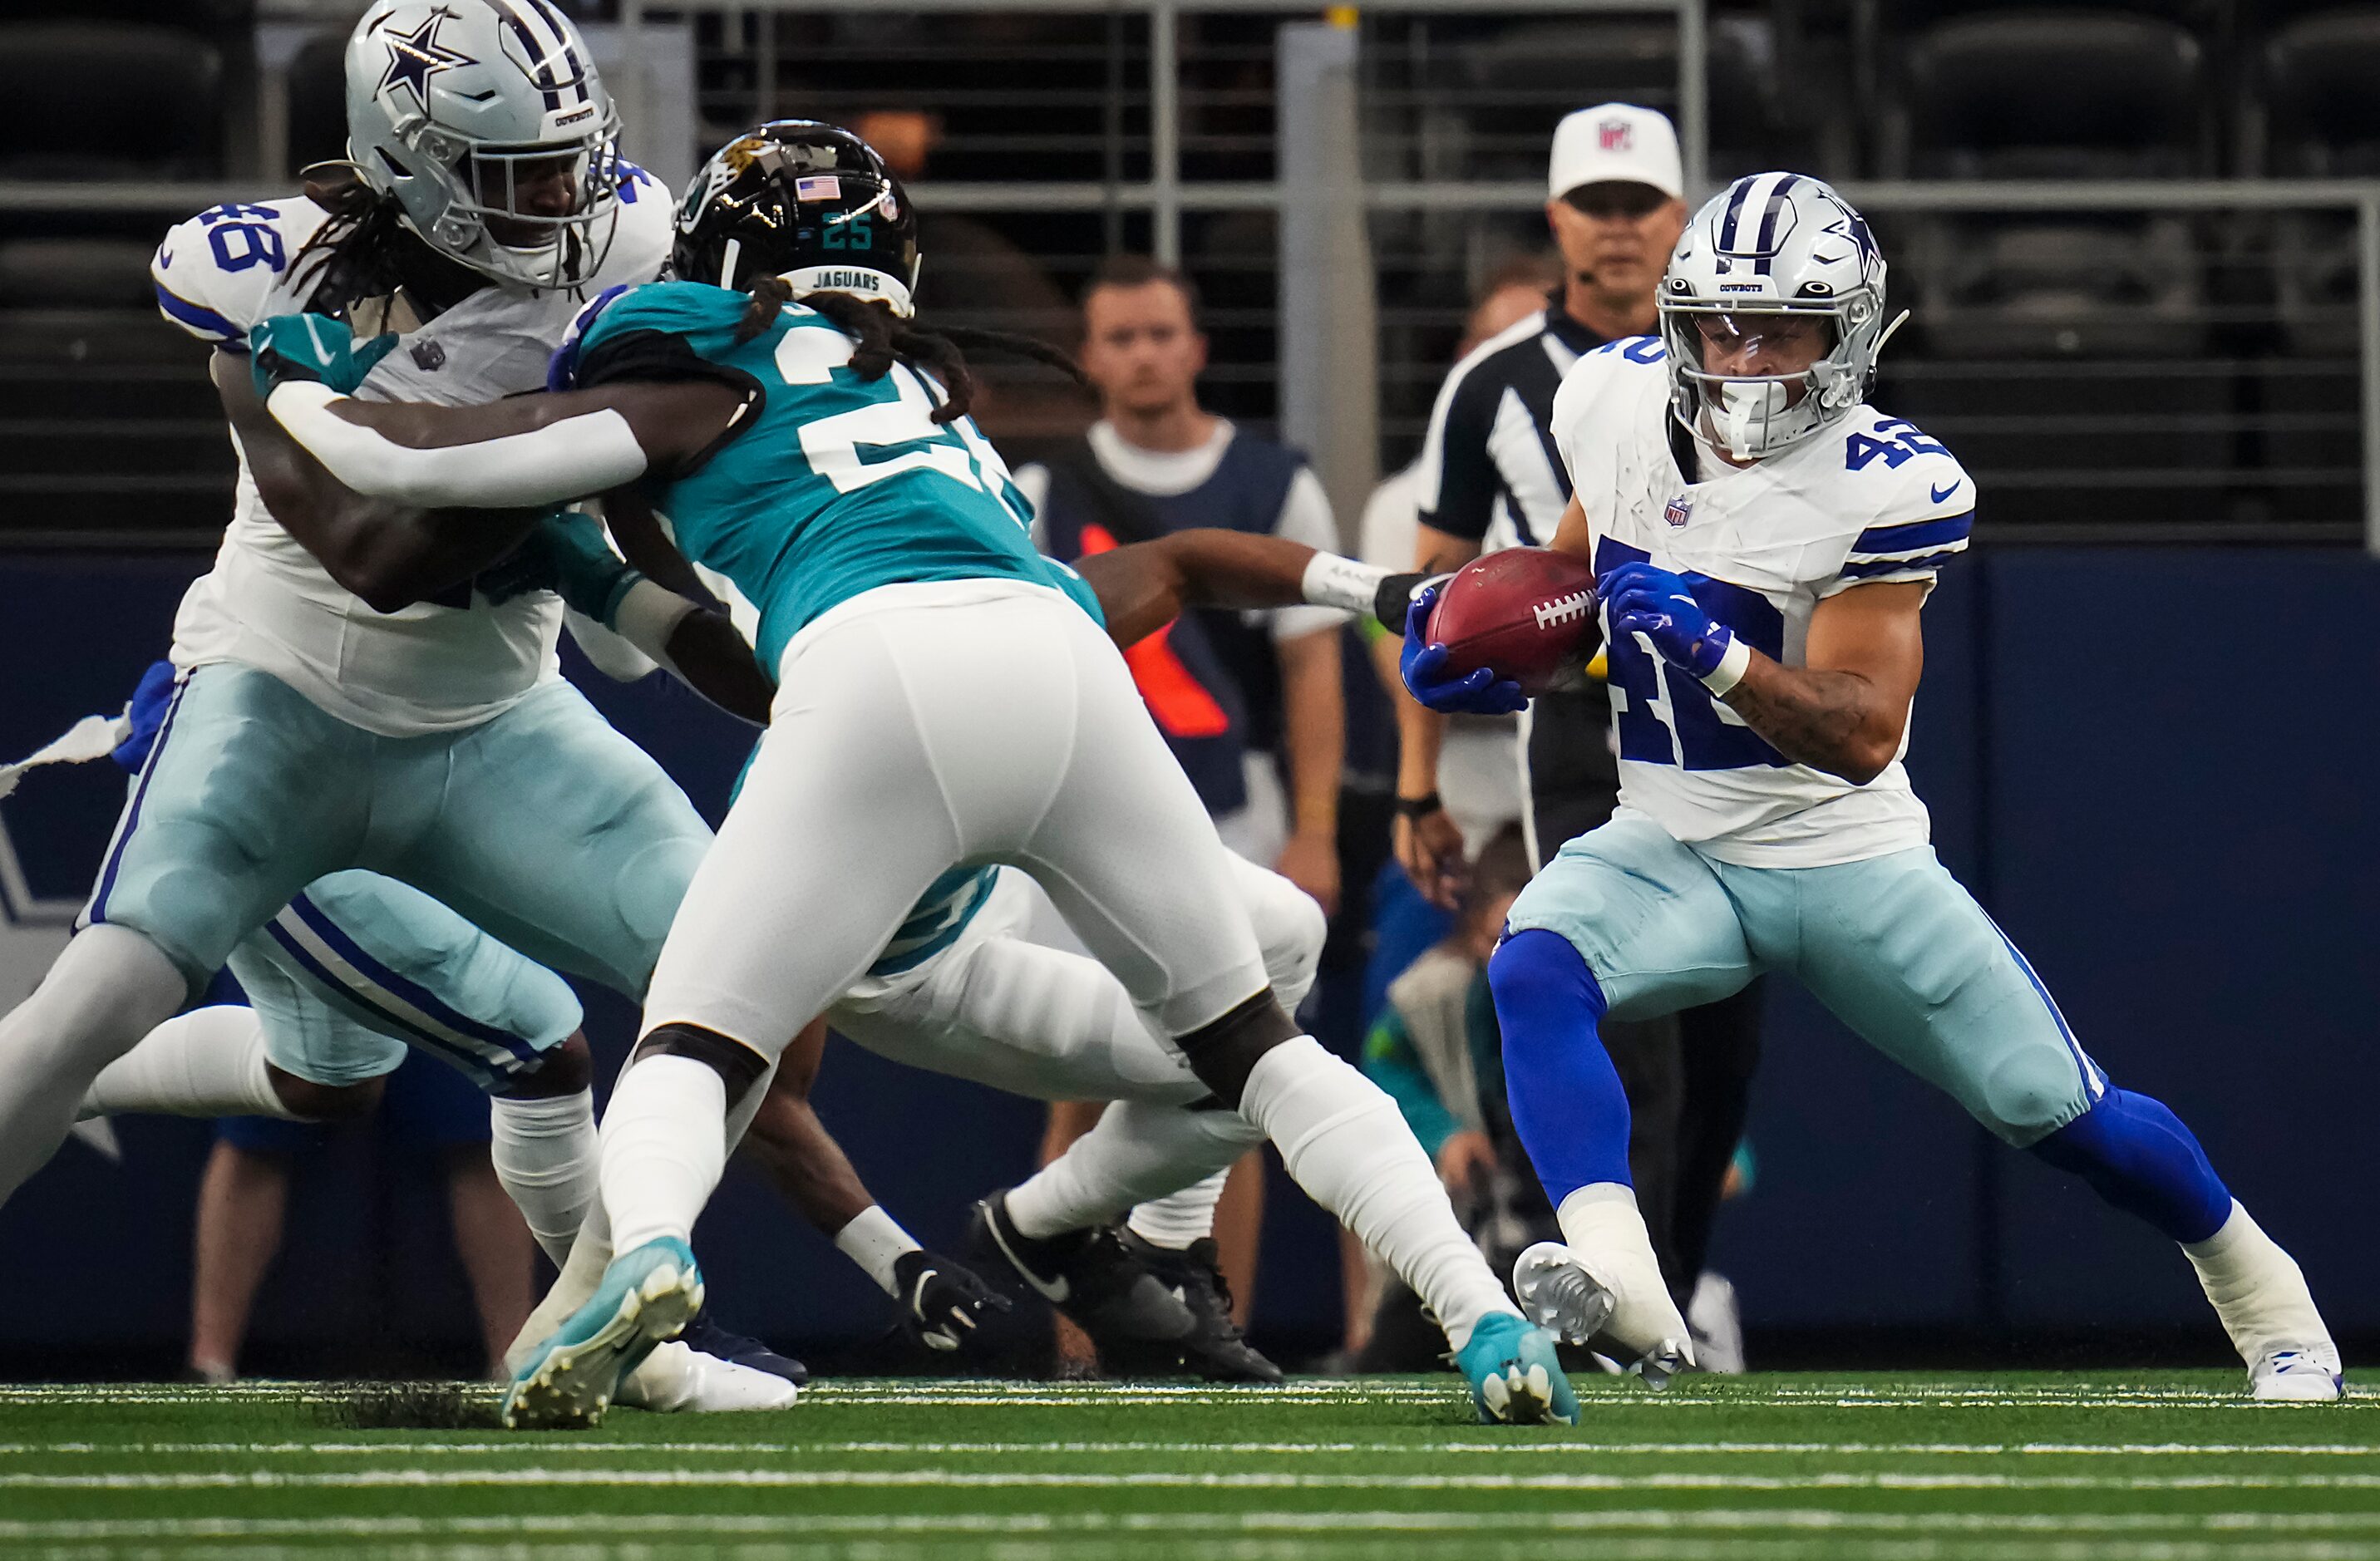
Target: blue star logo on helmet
[[415, 57]]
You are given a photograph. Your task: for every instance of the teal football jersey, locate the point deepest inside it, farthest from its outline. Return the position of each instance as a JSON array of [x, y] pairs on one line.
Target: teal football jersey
[[834, 485]]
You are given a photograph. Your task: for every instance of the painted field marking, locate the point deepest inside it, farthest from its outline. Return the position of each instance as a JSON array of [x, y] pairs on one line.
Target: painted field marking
[[1762, 1519], [507, 1446], [955, 1479]]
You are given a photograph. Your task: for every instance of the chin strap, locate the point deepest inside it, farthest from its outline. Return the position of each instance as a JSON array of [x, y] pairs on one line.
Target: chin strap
[[1898, 321]]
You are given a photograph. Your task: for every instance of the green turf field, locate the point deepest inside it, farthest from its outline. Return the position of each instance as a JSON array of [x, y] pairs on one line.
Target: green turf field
[[2091, 1467]]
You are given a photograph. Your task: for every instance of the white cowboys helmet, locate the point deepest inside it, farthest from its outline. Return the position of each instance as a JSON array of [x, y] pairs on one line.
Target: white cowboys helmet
[[487, 122], [1772, 244]]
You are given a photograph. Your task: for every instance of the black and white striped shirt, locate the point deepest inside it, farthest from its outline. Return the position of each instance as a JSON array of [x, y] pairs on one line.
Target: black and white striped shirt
[[1489, 470]]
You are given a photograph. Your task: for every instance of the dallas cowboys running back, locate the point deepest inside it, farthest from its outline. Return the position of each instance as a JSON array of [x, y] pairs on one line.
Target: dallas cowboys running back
[[1764, 540]]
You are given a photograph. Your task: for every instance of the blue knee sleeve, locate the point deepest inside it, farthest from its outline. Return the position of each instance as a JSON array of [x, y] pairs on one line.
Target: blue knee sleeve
[[2136, 1154], [1567, 1101]]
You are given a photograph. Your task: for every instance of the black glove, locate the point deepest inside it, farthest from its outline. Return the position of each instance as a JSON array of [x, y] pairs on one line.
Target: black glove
[[940, 1300], [1395, 595]]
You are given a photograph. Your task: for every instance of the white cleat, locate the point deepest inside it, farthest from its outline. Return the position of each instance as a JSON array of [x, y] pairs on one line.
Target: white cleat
[[1718, 1326], [1558, 1291], [1558, 1294], [2310, 1374], [676, 1380]]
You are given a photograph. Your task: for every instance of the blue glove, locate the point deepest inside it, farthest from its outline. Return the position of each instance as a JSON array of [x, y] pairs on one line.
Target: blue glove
[[312, 347], [1478, 693], [147, 713], [564, 553], [1657, 604]]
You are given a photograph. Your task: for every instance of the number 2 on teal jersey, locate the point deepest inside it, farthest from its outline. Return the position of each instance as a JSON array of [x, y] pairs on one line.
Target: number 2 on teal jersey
[[871, 444]]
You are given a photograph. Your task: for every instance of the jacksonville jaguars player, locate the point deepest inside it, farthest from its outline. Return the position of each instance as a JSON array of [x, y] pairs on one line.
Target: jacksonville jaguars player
[[1763, 542], [976, 713]]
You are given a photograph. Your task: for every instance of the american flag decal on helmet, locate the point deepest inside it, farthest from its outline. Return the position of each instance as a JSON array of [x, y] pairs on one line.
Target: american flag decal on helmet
[[1678, 510], [818, 186]]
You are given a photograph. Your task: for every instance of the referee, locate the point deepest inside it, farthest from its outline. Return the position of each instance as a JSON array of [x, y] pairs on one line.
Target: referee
[[1488, 477]]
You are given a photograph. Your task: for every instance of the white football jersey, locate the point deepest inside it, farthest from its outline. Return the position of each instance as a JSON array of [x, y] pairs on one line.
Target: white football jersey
[[1869, 499], [268, 603]]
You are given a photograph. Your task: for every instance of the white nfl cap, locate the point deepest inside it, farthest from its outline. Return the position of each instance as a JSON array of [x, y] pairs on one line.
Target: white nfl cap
[[1615, 142]]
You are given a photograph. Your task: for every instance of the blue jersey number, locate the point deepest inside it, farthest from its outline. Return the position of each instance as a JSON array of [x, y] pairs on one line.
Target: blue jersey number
[[242, 236], [1899, 442], [1637, 349], [1664, 713]]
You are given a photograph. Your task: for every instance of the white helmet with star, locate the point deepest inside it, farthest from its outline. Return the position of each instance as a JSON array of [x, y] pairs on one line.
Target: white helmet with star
[[485, 119], [1772, 247]]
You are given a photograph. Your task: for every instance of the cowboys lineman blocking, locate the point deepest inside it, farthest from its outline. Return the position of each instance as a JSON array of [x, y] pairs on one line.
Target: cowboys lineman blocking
[[1763, 542]]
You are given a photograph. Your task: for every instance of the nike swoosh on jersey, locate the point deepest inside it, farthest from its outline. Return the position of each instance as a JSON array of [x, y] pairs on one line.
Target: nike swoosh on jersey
[[1939, 494]]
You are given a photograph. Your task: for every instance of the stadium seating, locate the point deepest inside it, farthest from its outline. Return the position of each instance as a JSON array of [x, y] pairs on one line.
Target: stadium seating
[[54, 125]]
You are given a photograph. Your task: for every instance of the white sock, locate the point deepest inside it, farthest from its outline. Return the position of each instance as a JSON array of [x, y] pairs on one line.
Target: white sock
[[1347, 1145], [545, 1154], [208, 1062], [2257, 1290], [664, 1146], [109, 988], [1136, 1152], [1179, 1218], [1601, 1224]]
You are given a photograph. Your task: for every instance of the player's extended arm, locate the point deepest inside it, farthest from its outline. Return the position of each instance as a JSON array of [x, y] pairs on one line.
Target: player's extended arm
[[1145, 586], [529, 450], [390, 553], [1843, 710], [941, 1303]]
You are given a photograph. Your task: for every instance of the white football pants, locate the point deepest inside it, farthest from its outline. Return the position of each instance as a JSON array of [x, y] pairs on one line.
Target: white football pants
[[920, 726], [1034, 1021]]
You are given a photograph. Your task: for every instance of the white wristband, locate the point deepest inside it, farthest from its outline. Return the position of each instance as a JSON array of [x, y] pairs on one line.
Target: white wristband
[[875, 1240], [1333, 581], [1730, 669]]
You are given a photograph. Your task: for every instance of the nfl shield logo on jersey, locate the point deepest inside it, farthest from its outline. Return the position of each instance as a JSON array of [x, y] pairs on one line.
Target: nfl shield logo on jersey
[[1678, 510]]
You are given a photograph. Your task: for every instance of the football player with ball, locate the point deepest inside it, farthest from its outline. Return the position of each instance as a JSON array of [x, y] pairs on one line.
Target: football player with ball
[[1761, 541]]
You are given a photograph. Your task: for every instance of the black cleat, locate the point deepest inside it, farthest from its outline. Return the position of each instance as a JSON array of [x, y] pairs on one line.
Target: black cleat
[[1216, 1350], [706, 1336], [1140, 1325]]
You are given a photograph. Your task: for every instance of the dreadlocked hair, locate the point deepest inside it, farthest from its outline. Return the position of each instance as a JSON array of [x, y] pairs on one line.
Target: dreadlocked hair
[[882, 337], [365, 251]]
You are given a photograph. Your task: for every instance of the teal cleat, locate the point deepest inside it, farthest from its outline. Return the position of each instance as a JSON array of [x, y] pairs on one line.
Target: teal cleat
[[645, 1298], [1516, 1377]]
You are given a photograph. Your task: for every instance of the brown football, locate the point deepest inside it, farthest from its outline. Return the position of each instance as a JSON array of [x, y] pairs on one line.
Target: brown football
[[1528, 612]]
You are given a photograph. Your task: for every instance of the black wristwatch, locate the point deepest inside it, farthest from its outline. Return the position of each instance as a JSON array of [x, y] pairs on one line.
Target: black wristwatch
[[1418, 808]]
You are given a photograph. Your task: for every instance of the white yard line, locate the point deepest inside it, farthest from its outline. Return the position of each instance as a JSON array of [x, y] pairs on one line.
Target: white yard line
[[1485, 1445], [1721, 1519], [956, 1479]]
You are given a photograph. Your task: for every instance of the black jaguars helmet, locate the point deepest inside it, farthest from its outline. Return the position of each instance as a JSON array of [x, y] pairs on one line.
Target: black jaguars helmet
[[809, 202]]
